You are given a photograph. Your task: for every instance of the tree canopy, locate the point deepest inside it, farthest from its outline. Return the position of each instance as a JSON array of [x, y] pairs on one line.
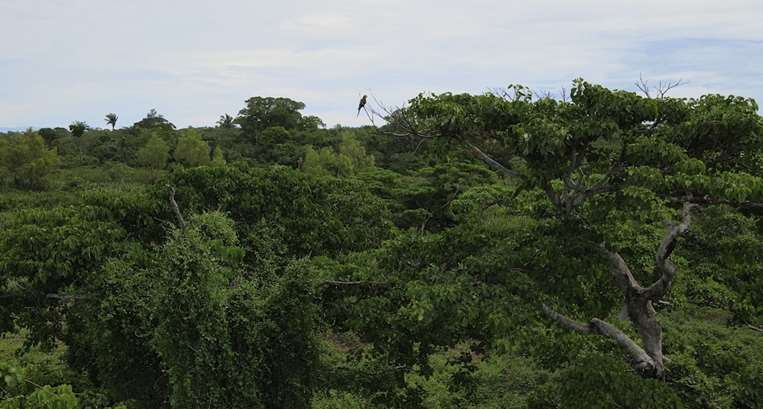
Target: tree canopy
[[597, 250]]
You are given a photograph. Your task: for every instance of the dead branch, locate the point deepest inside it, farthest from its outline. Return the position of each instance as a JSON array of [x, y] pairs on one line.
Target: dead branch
[[643, 86], [564, 95], [661, 90], [175, 207], [664, 87], [545, 94]]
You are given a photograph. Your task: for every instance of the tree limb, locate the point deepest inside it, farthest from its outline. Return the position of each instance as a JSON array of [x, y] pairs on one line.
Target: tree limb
[[667, 269], [356, 283], [623, 276], [641, 360], [565, 322], [69, 297], [175, 208], [552, 195], [493, 163]]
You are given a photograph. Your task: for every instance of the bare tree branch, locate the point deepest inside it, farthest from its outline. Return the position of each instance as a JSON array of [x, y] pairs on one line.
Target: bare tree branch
[[623, 276], [493, 163], [565, 322], [664, 87], [356, 283], [661, 90], [640, 359], [545, 94], [69, 297], [175, 207], [666, 267], [643, 86]]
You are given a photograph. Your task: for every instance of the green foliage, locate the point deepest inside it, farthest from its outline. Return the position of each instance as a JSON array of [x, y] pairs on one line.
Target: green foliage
[[217, 157], [326, 163], [25, 161], [46, 397], [154, 121], [51, 134], [226, 343], [464, 378], [602, 381], [110, 337], [45, 252], [357, 268], [317, 216], [191, 150], [349, 159], [78, 128], [339, 400], [225, 121], [155, 153]]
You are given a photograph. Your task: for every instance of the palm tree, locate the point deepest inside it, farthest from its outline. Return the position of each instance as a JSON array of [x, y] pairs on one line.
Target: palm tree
[[111, 119], [225, 121]]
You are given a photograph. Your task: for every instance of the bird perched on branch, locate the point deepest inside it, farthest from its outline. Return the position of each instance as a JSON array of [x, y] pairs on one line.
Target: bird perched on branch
[[361, 104]]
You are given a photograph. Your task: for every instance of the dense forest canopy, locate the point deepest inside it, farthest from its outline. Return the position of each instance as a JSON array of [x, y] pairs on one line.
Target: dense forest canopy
[[503, 250]]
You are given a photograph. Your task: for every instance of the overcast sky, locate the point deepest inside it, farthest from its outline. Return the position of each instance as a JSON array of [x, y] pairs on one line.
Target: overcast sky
[[193, 60]]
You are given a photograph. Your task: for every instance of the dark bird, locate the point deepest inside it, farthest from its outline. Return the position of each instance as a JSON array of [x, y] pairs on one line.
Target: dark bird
[[361, 104]]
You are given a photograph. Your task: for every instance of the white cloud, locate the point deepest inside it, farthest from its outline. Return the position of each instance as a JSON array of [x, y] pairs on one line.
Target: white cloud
[[192, 59]]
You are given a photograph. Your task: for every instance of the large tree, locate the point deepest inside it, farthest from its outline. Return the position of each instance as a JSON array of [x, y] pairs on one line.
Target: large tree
[[265, 112], [78, 128], [154, 120], [597, 156]]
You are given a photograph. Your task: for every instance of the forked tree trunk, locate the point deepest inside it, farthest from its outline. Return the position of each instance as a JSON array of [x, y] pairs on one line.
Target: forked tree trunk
[[648, 360]]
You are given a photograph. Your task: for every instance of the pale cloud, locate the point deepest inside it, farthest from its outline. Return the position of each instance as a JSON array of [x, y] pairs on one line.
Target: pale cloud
[[194, 60], [320, 24]]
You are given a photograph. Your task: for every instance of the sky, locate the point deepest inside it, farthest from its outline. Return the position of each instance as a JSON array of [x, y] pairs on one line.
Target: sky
[[194, 60]]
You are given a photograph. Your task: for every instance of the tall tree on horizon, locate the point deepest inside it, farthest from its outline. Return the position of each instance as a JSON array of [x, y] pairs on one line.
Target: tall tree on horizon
[[111, 119], [78, 128], [225, 121]]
